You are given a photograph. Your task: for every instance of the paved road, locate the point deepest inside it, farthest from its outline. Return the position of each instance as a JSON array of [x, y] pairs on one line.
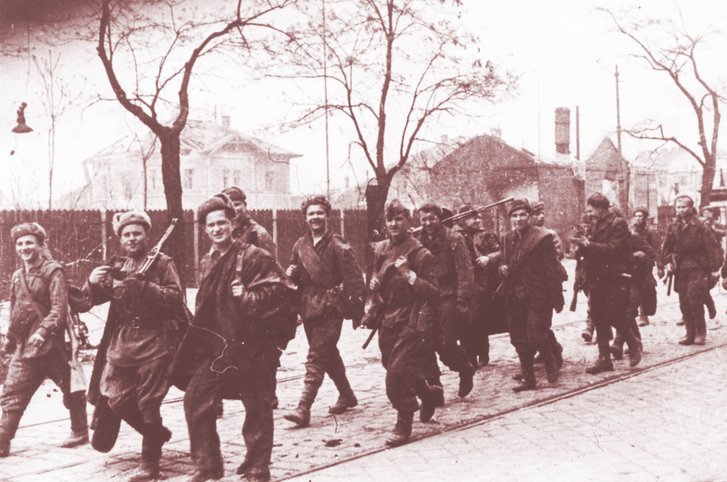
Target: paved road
[[668, 423]]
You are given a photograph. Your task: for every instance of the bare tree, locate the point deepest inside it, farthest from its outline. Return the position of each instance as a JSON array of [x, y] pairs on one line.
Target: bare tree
[[57, 100], [678, 59], [158, 34], [391, 68]]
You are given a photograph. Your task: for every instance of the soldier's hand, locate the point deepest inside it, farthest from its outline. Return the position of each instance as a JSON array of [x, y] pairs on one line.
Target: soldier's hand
[[292, 269], [669, 269], [639, 255], [401, 266], [483, 261], [36, 340], [504, 271], [579, 240], [660, 273], [237, 288], [99, 275], [374, 284]]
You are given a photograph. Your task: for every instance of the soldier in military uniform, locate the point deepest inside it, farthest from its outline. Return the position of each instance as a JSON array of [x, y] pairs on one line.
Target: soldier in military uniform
[[404, 287], [331, 288], [640, 227], [455, 278], [607, 279], [38, 322], [230, 350], [690, 253], [139, 339], [532, 288]]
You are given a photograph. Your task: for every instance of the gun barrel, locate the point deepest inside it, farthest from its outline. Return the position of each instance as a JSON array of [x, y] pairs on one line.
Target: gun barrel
[[469, 213]]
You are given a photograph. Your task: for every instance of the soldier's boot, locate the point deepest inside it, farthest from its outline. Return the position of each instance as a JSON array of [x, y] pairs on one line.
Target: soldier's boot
[[635, 348], [689, 337], [711, 309], [312, 381], [437, 394], [604, 363], [617, 346], [700, 331], [466, 380], [4, 446], [587, 334], [79, 420], [528, 373], [155, 436], [346, 397], [426, 394], [402, 429], [552, 370], [643, 320]]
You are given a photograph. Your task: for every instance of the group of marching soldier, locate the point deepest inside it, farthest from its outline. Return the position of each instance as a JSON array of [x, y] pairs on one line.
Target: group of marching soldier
[[432, 291]]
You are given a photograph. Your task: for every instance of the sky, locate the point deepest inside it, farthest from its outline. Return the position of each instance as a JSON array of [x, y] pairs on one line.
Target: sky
[[563, 51]]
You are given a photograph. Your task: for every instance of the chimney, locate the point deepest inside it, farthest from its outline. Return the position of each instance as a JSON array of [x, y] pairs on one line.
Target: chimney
[[496, 132], [226, 121], [562, 130]]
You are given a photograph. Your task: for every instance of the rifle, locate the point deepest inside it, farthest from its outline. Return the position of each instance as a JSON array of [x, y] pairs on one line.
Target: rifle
[[574, 300], [374, 307], [457, 217], [669, 280]]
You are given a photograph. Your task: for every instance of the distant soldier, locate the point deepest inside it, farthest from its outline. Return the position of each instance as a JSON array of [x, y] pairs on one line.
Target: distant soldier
[[607, 279], [645, 289], [538, 220], [718, 230], [38, 322], [230, 350], [532, 288], [484, 251], [331, 288], [455, 278], [139, 339], [405, 283], [583, 228], [690, 253]]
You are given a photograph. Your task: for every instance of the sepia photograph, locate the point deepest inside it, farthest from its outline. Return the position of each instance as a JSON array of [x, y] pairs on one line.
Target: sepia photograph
[[363, 240]]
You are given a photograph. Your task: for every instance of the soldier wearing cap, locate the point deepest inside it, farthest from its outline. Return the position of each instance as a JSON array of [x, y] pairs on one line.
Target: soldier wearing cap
[[455, 278], [640, 228], [532, 288], [331, 288], [139, 339], [606, 256], [38, 322], [405, 282]]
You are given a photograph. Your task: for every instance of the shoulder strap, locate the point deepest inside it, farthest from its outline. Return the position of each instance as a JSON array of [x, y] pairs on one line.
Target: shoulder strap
[[34, 303]]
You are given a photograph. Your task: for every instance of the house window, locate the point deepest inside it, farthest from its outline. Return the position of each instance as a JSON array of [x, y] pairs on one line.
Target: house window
[[236, 178], [225, 178], [269, 181], [189, 179]]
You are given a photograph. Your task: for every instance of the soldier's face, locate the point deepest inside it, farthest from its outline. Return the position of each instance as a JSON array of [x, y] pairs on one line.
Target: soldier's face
[[316, 218], [473, 222], [28, 248], [430, 222], [519, 219], [595, 213], [240, 207], [218, 228], [398, 226], [639, 218], [538, 218], [707, 215], [133, 239], [683, 208]]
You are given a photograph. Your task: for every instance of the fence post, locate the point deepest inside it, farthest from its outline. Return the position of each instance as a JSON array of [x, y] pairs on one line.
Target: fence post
[[104, 236], [195, 244], [275, 226], [343, 223]]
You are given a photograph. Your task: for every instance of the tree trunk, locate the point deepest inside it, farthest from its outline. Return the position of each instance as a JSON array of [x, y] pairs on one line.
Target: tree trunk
[[376, 195], [707, 179], [171, 178]]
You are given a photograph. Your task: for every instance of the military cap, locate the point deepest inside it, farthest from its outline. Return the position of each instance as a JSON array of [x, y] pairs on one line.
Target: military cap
[[598, 200], [538, 207], [519, 204], [25, 229], [121, 220], [642, 210], [235, 194], [216, 203], [431, 208], [318, 199], [394, 208]]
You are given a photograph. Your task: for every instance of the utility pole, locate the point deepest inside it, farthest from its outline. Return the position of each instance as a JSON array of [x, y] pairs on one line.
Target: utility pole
[[325, 100], [618, 114]]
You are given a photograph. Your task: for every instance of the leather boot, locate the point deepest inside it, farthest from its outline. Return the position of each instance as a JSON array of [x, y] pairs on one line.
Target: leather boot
[[402, 429], [617, 347], [552, 371], [643, 320], [700, 331], [528, 373], [4, 447], [76, 403], [587, 334], [437, 394], [426, 395], [75, 439], [466, 380], [711, 309], [146, 471], [635, 349], [604, 363], [343, 403], [689, 338], [300, 416]]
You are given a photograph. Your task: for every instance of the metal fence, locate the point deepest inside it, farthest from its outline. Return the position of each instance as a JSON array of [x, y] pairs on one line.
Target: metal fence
[[74, 235]]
